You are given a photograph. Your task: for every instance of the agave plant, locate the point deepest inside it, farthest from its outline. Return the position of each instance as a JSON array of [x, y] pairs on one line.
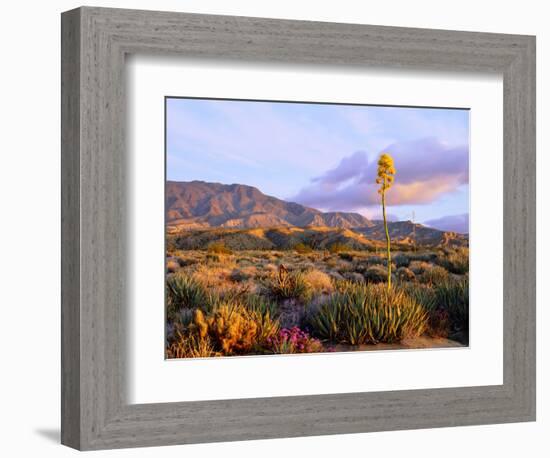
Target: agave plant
[[368, 314], [289, 285], [184, 292]]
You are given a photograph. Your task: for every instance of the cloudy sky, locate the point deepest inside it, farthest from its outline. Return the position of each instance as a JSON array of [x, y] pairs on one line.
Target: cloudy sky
[[324, 155]]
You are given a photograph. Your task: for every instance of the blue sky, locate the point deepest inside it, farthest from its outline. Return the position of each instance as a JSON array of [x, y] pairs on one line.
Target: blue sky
[[324, 155]]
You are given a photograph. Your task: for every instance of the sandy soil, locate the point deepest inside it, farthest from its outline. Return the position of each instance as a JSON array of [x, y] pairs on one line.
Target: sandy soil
[[416, 343]]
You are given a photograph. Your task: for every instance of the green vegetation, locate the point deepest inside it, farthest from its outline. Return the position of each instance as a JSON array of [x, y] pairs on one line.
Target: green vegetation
[[302, 248], [338, 247], [455, 261], [218, 248], [221, 303], [289, 285], [453, 296], [368, 314], [184, 292]]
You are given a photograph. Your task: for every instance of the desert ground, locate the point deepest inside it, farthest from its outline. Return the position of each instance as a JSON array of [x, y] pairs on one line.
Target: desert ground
[[309, 294]]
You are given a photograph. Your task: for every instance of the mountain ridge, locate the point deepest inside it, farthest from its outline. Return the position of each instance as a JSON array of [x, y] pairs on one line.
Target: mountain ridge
[[199, 205], [233, 212]]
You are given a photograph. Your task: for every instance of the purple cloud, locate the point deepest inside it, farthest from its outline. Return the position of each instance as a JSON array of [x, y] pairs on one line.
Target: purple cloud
[[426, 169], [455, 223], [346, 169]]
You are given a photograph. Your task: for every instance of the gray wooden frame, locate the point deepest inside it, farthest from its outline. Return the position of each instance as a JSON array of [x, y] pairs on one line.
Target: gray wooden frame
[[95, 413]]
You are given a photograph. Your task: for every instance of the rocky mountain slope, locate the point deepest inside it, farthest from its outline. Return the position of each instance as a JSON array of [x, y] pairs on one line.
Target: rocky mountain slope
[[197, 204], [242, 217]]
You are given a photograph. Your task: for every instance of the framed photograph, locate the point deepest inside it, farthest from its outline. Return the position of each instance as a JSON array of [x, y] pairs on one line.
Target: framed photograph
[[323, 267], [277, 228]]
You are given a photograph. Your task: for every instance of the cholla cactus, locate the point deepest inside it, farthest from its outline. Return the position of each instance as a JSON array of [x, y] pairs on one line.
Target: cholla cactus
[[232, 329], [385, 177]]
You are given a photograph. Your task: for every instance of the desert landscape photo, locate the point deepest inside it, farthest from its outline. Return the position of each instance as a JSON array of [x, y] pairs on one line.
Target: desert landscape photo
[[314, 228]]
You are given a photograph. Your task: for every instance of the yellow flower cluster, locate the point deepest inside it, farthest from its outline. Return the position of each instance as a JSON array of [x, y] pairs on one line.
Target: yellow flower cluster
[[385, 173]]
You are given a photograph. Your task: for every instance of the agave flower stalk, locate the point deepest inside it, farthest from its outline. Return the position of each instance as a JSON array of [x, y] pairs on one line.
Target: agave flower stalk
[[385, 177]]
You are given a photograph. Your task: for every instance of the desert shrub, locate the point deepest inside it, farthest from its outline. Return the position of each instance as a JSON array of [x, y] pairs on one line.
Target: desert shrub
[[438, 319], [213, 257], [361, 314], [338, 247], [453, 297], [259, 303], [270, 268], [238, 276], [264, 311], [434, 275], [218, 248], [233, 329], [360, 267], [185, 292], [171, 266], [376, 274], [421, 293], [314, 257], [405, 274], [302, 248], [439, 323], [354, 277], [345, 256], [184, 262], [318, 281], [401, 260], [336, 276], [419, 267], [376, 260], [423, 257], [293, 340], [189, 346], [447, 306], [289, 285], [267, 326], [455, 261], [183, 318], [216, 277]]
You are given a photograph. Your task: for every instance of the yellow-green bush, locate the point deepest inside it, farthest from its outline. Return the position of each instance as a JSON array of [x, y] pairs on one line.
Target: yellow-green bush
[[318, 280], [171, 266], [376, 274], [190, 345], [401, 260], [218, 248], [456, 261], [229, 329], [185, 292], [453, 297], [434, 275], [405, 274], [302, 248], [447, 303], [289, 285], [338, 247]]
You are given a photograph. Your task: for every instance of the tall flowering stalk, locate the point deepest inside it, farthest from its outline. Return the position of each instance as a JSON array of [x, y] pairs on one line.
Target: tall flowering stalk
[[385, 177]]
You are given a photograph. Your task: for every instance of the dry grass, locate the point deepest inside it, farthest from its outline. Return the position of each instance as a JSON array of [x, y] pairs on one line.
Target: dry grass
[[319, 281], [268, 289]]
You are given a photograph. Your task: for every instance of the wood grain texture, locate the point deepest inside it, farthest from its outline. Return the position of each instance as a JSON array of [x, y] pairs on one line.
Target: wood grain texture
[[96, 413], [70, 229]]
